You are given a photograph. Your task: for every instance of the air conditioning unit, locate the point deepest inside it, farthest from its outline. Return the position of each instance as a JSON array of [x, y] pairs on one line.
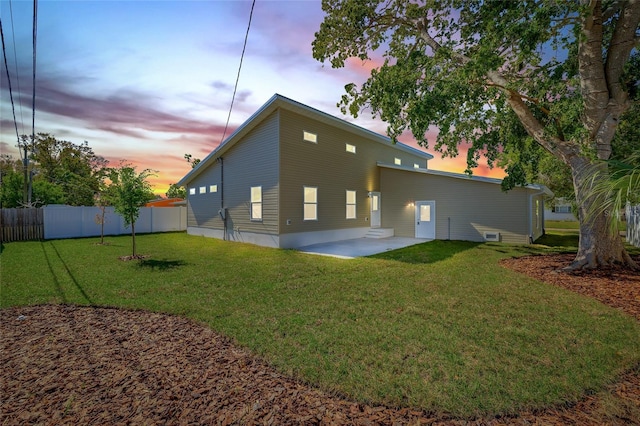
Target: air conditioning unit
[[492, 236]]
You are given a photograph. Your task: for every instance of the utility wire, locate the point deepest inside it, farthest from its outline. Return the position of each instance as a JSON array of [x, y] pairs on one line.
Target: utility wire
[[33, 100], [15, 58], [239, 68], [33, 107], [6, 67]]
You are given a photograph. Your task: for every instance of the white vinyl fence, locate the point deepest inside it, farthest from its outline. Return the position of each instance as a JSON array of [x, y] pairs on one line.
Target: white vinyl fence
[[74, 222], [633, 224]]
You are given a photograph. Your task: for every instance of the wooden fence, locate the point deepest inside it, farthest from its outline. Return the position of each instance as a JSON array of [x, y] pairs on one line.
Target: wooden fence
[[21, 225]]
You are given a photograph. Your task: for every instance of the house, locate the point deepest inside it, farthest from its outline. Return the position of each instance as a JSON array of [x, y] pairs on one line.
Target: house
[[560, 210], [292, 176], [166, 202]]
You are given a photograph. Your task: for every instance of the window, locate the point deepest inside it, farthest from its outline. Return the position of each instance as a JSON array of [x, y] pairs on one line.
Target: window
[[397, 161], [213, 188], [256, 203], [350, 148], [203, 190], [351, 204], [309, 137], [192, 191], [310, 203], [416, 165]]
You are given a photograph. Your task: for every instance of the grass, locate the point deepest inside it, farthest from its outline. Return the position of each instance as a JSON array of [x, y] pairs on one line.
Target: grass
[[573, 225], [561, 224], [439, 326]]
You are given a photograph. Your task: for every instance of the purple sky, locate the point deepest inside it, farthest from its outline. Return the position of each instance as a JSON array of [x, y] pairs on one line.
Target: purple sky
[[148, 81]]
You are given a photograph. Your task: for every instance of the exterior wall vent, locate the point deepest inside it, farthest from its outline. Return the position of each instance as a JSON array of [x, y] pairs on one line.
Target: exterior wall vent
[[492, 236]]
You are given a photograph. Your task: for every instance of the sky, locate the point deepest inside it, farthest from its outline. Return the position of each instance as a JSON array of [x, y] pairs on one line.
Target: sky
[[149, 81]]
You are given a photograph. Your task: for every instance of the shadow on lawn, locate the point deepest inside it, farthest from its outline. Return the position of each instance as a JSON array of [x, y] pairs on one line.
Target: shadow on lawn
[[425, 253], [161, 265]]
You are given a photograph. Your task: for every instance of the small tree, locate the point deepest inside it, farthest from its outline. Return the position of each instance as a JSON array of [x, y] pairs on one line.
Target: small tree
[[176, 191], [129, 191], [101, 202]]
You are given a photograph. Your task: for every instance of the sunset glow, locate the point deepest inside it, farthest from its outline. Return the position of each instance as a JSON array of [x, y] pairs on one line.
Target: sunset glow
[[148, 81]]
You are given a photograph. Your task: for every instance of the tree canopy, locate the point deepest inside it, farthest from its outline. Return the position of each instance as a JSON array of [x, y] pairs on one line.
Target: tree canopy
[[61, 172], [508, 77]]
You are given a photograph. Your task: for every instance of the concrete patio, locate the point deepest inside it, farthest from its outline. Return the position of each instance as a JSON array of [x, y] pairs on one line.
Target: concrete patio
[[360, 247]]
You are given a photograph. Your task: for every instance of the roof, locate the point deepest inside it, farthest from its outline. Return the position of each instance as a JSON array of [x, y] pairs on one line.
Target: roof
[[464, 176], [166, 202], [278, 101]]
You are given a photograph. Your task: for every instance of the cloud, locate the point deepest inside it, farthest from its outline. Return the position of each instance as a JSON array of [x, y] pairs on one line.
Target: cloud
[[126, 112]]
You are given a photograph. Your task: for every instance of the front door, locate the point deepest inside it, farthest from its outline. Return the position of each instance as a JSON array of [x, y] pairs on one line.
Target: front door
[[375, 210], [426, 219]]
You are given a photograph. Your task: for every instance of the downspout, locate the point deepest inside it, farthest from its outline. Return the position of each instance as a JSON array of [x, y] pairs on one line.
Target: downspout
[[224, 215]]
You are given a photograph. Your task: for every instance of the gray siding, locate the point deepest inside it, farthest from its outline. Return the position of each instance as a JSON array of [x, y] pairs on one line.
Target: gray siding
[[328, 166], [465, 209], [202, 209], [253, 161]]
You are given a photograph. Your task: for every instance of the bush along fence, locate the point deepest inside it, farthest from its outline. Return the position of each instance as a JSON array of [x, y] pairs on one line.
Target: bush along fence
[[633, 224], [55, 222], [21, 225]]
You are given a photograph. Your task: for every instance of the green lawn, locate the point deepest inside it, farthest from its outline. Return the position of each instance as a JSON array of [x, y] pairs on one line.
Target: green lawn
[[562, 224], [439, 326], [573, 225]]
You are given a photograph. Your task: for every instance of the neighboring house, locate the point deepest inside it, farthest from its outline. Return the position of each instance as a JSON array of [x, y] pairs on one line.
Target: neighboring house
[[292, 176], [166, 202], [561, 210]]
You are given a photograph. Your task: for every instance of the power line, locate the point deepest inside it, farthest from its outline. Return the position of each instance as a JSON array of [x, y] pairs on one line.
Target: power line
[[29, 184], [6, 67], [246, 36], [15, 58], [33, 100]]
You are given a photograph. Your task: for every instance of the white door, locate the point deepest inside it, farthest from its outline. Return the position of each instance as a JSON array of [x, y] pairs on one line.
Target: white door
[[426, 219], [375, 210]]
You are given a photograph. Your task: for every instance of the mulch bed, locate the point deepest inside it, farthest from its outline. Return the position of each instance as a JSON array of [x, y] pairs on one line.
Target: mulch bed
[[90, 365]]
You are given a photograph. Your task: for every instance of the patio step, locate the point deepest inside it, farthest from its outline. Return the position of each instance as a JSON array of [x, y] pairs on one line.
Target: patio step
[[379, 233]]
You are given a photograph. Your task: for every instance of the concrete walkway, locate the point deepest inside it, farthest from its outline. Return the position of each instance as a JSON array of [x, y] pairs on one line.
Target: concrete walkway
[[359, 247]]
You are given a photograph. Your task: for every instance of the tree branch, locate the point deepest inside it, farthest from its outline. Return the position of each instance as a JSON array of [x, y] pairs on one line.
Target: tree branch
[[532, 125], [611, 10], [619, 49], [593, 81]]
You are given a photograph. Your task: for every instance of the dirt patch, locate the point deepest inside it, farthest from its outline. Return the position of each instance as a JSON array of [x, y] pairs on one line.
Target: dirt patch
[[87, 365]]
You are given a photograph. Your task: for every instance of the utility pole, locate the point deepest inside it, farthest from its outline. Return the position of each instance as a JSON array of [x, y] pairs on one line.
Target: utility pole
[[26, 190]]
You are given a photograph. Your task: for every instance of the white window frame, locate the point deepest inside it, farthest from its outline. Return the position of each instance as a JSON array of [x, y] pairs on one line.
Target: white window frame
[[310, 203], [213, 188], [397, 161], [416, 165], [309, 136], [255, 206], [192, 190], [351, 205], [350, 148], [202, 190]]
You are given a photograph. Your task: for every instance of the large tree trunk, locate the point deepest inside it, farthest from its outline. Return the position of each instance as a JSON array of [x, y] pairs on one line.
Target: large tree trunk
[[598, 245]]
